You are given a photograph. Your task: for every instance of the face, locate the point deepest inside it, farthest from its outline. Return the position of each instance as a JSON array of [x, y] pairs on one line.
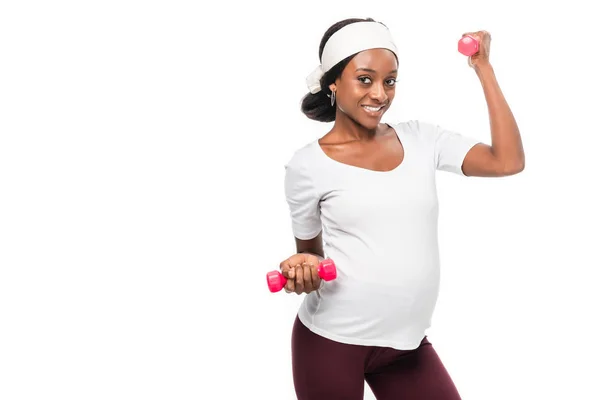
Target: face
[[366, 88]]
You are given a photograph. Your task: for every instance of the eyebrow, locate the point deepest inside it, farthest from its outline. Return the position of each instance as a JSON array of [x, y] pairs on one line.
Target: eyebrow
[[373, 71]]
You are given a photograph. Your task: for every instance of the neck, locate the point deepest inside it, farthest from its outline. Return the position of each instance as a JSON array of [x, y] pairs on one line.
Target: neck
[[349, 130]]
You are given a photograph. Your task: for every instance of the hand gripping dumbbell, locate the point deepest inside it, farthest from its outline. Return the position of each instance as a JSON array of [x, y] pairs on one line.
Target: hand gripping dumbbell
[[326, 270], [468, 45]]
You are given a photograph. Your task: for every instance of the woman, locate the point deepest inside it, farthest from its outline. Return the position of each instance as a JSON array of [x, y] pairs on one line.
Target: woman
[[367, 189]]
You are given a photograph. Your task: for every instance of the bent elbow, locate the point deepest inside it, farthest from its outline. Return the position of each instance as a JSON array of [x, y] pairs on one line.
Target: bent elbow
[[514, 168]]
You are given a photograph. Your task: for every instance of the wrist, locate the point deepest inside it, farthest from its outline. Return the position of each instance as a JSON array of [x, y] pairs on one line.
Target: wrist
[[481, 69], [320, 257]]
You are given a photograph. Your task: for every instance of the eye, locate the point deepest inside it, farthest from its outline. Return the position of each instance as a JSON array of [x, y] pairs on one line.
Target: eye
[[391, 82], [364, 78]]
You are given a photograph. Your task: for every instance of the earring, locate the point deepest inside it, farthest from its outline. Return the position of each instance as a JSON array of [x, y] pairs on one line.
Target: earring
[[332, 97]]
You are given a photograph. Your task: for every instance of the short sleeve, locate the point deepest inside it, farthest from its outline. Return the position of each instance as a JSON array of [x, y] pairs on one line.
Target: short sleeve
[[302, 199], [451, 149]]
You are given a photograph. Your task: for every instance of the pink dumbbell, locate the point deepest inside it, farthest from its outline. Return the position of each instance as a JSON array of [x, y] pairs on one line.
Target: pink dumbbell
[[326, 270], [468, 45]]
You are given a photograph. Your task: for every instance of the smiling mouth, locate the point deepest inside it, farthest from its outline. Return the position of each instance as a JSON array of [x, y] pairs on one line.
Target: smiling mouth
[[373, 109]]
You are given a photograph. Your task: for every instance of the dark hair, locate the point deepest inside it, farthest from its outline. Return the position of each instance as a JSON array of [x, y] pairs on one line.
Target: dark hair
[[318, 106]]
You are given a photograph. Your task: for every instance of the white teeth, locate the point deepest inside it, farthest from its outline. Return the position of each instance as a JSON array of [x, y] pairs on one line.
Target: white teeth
[[374, 109]]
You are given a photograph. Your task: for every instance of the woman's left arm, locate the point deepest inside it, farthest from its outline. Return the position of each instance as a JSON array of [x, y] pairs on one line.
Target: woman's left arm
[[506, 155]]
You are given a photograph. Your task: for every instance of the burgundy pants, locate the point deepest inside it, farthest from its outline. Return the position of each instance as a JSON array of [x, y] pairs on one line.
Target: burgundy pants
[[327, 370]]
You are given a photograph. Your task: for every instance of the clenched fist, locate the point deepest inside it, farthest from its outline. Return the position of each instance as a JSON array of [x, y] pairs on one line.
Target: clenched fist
[[483, 54], [301, 273]]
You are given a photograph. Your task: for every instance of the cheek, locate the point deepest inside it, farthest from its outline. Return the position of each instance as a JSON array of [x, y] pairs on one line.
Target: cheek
[[350, 98], [343, 106], [391, 94]]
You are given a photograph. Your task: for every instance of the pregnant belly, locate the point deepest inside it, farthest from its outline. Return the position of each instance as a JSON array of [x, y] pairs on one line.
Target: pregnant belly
[[366, 307]]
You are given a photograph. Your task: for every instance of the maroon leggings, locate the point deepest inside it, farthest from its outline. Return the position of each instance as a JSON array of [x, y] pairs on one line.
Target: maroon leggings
[[327, 370]]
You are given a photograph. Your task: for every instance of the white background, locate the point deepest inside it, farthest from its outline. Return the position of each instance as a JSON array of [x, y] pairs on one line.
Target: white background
[[142, 147]]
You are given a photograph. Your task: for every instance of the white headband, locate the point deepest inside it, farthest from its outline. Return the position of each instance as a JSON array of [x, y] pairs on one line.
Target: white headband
[[350, 39]]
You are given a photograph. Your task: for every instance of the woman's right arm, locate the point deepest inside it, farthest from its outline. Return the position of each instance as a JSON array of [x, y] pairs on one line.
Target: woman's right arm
[[312, 246], [301, 269]]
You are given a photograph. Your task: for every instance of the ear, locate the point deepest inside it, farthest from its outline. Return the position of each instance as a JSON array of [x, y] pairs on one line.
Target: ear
[[332, 87]]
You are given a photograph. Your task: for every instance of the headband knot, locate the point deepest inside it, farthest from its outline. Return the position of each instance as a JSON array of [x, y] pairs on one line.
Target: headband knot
[[313, 81]]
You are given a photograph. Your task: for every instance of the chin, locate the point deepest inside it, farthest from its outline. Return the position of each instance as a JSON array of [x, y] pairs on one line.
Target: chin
[[366, 121], [370, 123]]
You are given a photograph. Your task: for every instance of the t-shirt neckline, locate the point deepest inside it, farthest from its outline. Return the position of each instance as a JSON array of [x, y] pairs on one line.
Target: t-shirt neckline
[[367, 170]]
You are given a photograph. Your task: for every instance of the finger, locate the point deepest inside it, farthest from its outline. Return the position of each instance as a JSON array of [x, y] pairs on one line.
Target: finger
[[285, 268], [290, 286], [299, 279], [478, 36], [291, 271], [482, 36], [308, 283]]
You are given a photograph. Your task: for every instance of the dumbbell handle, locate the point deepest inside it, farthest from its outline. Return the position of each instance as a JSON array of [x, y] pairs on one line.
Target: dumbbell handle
[[326, 270]]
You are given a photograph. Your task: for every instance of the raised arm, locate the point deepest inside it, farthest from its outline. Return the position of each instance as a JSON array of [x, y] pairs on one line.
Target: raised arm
[[506, 155]]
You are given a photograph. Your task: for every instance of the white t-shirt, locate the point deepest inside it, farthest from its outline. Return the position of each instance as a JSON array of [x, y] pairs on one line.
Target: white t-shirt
[[380, 229]]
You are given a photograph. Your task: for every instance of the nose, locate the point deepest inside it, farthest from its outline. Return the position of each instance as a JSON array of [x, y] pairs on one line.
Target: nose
[[378, 93]]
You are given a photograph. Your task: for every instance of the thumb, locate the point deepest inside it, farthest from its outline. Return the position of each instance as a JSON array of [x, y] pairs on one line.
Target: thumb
[[287, 266]]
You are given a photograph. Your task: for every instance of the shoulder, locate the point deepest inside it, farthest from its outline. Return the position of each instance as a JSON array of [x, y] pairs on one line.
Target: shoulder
[[302, 156], [303, 162]]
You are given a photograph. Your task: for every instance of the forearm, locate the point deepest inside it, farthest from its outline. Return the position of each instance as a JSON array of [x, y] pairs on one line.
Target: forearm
[[507, 145], [312, 246]]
